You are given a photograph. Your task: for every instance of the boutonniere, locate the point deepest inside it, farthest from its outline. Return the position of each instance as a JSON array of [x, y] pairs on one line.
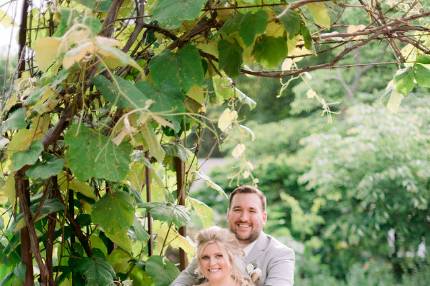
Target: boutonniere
[[253, 272]]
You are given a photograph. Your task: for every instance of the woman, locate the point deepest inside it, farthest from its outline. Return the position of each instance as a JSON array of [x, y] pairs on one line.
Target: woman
[[219, 258]]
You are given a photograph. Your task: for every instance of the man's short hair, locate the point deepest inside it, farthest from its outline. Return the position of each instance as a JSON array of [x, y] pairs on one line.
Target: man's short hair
[[246, 189]]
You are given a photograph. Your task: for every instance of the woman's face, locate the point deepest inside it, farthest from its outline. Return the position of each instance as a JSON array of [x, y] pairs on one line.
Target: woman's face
[[214, 262]]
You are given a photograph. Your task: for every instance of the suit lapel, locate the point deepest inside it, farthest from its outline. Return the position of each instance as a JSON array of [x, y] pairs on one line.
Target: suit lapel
[[258, 249]]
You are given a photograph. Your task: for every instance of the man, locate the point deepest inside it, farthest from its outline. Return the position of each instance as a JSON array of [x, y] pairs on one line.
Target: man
[[246, 217]]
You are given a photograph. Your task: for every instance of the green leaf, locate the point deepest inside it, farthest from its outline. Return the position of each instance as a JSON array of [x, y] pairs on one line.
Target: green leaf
[[139, 231], [28, 157], [167, 212], [176, 150], [93, 23], [304, 31], [422, 74], [97, 271], [157, 265], [46, 169], [170, 14], [230, 57], [404, 81], [119, 259], [16, 120], [92, 154], [252, 25], [320, 14], [190, 67], [292, 22], [270, 51], [115, 226], [162, 101], [164, 72], [423, 59], [121, 92], [48, 207], [67, 19], [96, 5]]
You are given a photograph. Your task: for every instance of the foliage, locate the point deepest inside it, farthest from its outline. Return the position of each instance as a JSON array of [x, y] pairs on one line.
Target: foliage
[[93, 128]]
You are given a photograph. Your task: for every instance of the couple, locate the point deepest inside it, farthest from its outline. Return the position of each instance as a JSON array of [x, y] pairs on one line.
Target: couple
[[219, 258]]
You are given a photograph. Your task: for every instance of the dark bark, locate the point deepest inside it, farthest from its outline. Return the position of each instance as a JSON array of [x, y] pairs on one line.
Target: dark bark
[[148, 213], [180, 187]]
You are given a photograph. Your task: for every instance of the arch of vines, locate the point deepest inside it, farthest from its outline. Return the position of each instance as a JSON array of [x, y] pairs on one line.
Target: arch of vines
[[95, 157]]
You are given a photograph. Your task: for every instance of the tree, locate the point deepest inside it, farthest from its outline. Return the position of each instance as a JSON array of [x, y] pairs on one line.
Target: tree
[[106, 92]]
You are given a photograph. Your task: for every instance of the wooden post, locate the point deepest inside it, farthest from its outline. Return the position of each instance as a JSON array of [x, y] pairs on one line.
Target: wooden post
[[180, 181], [148, 199]]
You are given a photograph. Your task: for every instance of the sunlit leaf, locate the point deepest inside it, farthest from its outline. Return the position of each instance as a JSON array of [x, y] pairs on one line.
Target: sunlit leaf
[[203, 212], [270, 51], [9, 189], [227, 118], [97, 5], [320, 14], [170, 15], [91, 154], [422, 74], [393, 104], [404, 81], [238, 151], [153, 143], [46, 51]]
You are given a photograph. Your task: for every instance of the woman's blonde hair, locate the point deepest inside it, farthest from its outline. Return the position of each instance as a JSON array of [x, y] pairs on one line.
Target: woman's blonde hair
[[226, 240]]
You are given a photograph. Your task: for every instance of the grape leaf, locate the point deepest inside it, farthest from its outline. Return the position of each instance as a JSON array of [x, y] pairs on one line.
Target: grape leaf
[[97, 271], [115, 226], [292, 22], [16, 120], [203, 212], [97, 5], [162, 101], [170, 14], [319, 14], [46, 169], [422, 74], [27, 157], [270, 51], [167, 212], [252, 25], [190, 67], [230, 57], [123, 94], [92, 154], [404, 81], [156, 265], [164, 72]]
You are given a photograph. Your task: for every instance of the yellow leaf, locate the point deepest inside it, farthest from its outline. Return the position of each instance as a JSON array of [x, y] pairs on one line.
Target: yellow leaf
[[197, 93], [47, 102], [46, 51], [275, 29], [172, 237], [203, 212], [226, 119], [5, 19], [393, 104], [75, 55], [238, 151], [75, 185], [9, 189], [320, 14]]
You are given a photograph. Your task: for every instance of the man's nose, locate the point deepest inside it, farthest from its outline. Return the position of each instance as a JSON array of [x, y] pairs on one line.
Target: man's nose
[[244, 216]]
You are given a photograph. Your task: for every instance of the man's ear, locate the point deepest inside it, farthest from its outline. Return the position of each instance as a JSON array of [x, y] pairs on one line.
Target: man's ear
[[264, 217]]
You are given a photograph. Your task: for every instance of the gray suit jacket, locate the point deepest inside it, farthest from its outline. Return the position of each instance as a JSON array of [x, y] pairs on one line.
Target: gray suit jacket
[[274, 259]]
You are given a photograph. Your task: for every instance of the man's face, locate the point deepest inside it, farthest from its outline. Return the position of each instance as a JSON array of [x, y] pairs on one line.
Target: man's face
[[246, 217]]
